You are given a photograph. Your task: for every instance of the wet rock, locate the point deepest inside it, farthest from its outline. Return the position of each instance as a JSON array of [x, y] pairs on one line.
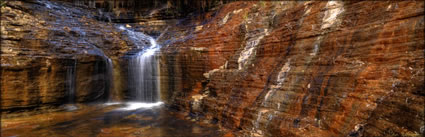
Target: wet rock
[[281, 68], [301, 68], [40, 45]]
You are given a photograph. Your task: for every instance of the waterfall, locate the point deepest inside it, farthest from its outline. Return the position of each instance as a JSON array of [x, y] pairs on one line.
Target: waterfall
[[109, 79], [106, 68], [143, 72], [70, 81]]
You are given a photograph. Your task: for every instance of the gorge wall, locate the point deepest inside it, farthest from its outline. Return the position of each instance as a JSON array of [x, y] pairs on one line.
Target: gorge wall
[[129, 11], [257, 68], [49, 50], [286, 68]]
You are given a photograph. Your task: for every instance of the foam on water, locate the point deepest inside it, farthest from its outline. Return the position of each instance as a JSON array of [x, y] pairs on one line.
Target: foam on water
[[139, 105]]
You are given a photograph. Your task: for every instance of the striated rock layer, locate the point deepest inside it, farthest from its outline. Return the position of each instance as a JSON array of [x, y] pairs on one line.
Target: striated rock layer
[[336, 68], [278, 68], [53, 53], [130, 11]]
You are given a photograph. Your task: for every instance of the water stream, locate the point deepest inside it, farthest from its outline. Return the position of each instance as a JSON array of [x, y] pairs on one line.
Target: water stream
[[70, 84], [143, 70], [143, 75], [109, 80], [70, 81]]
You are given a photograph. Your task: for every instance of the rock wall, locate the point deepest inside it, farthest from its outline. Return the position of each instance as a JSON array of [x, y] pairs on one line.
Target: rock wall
[[336, 68], [128, 11], [50, 49], [278, 68]]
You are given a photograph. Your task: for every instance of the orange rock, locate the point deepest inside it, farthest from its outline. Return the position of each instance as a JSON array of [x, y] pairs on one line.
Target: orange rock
[[305, 68]]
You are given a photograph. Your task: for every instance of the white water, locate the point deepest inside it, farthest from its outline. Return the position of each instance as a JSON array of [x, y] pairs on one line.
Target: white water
[[109, 79], [143, 72], [128, 106], [143, 76], [138, 105]]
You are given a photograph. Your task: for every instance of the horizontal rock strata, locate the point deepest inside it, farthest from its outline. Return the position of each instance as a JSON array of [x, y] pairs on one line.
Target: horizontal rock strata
[[334, 68], [50, 49]]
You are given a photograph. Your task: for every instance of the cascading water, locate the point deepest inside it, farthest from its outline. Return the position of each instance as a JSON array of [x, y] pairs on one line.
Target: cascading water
[[143, 72], [109, 79], [104, 67], [103, 70], [70, 80]]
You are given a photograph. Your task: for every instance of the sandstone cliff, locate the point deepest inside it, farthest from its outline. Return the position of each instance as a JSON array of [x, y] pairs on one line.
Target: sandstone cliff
[[55, 53], [301, 68], [257, 68]]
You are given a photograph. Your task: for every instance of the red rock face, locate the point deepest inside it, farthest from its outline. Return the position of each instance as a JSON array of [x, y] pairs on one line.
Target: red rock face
[[42, 43], [302, 68], [277, 68]]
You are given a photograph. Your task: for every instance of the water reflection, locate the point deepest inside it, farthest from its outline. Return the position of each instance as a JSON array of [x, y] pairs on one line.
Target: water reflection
[[112, 119]]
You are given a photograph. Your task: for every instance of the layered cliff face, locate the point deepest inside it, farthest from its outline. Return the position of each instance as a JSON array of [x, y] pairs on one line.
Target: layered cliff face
[[301, 68], [130, 11], [55, 53], [280, 68]]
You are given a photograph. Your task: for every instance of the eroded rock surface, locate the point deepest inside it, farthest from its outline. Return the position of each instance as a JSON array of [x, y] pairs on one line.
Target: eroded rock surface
[[50, 49], [334, 68], [280, 68]]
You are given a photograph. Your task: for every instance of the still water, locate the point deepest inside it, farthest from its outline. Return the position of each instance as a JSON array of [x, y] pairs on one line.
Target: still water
[[109, 120]]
